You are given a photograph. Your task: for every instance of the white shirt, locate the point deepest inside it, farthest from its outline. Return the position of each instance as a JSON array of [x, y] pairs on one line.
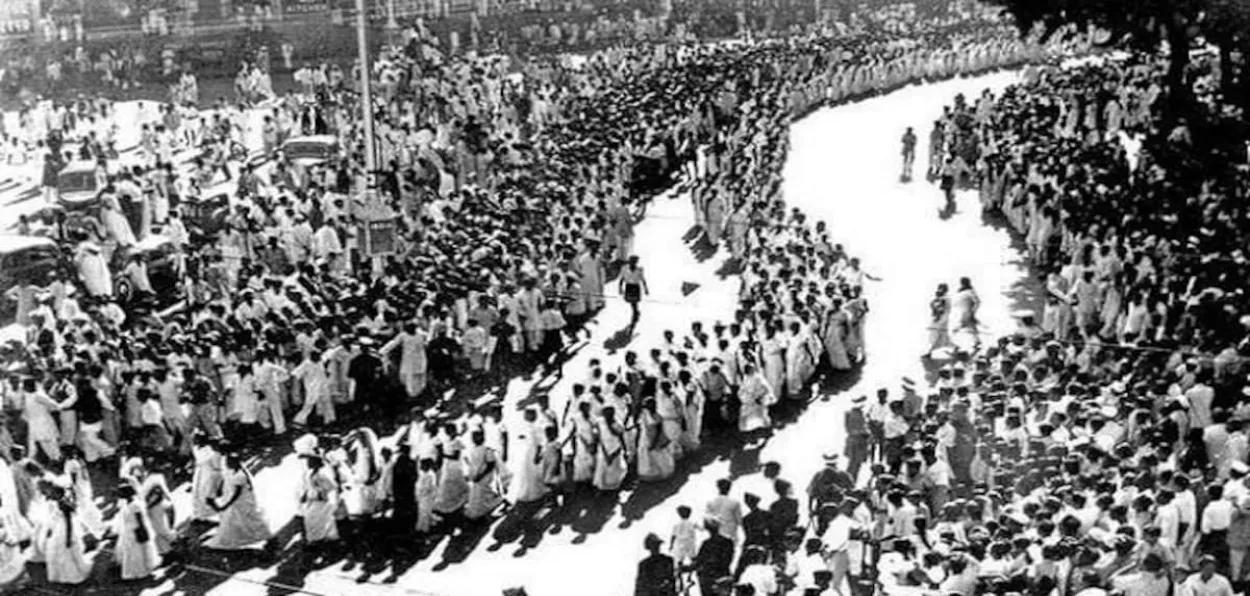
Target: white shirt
[[151, 413], [1195, 586], [940, 473], [1188, 506], [838, 535], [1235, 489], [1217, 516], [1168, 518]]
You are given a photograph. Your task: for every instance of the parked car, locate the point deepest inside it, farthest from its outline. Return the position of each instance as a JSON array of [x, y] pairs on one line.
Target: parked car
[[205, 217], [23, 260], [161, 258], [76, 184], [79, 198], [311, 149]]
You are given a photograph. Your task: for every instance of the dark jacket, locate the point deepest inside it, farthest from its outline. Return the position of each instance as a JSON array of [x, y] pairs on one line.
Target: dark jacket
[[657, 576], [715, 556]]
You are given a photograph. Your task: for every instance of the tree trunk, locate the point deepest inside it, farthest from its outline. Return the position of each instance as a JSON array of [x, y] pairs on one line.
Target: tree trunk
[[1242, 84], [1178, 89], [1226, 69]]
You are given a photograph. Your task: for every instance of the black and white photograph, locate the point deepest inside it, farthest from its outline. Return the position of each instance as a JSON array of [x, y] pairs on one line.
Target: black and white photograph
[[624, 297]]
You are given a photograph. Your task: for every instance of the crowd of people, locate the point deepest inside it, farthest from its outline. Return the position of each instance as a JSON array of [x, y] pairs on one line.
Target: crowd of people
[[515, 200], [1100, 447]]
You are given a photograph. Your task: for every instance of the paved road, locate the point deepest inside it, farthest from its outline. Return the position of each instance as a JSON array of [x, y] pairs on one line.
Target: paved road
[[843, 169], [19, 192]]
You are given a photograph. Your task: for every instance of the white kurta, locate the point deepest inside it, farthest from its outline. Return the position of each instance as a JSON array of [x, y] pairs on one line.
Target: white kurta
[[137, 559]]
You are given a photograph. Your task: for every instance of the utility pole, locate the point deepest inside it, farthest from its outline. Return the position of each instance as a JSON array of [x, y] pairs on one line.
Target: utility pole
[[377, 217], [366, 91]]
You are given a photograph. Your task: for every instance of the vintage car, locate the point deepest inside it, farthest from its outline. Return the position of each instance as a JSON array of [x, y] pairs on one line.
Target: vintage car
[[312, 149], [26, 259], [84, 219], [205, 216], [162, 260], [76, 185]]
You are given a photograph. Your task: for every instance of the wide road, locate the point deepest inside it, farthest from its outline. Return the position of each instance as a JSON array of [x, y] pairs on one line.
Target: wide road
[[843, 169]]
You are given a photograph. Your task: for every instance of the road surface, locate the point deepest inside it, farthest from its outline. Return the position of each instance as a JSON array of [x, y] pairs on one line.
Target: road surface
[[844, 169]]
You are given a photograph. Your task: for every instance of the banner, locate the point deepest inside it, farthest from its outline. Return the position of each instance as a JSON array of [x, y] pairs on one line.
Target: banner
[[380, 238]]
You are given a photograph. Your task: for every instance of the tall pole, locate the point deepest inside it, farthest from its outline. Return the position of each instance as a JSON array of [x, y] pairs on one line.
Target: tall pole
[[366, 93], [372, 200]]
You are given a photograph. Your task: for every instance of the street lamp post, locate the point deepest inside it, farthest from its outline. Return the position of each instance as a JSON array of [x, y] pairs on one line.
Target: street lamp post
[[366, 91], [376, 216]]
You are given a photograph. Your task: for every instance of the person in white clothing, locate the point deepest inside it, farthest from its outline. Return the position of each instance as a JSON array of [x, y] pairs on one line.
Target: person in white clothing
[[837, 540], [1206, 582], [316, 389]]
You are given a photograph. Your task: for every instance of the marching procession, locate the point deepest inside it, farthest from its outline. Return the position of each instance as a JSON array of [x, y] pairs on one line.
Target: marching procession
[[514, 189]]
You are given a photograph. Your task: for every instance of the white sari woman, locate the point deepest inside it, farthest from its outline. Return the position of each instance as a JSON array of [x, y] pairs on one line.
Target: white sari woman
[[693, 402], [205, 480], [584, 444], [427, 493], [481, 464], [672, 414], [834, 337], [756, 396], [453, 487], [115, 221], [84, 495], [318, 501], [155, 493], [135, 551], [800, 360], [243, 524], [63, 547], [610, 465], [528, 486], [773, 352], [655, 448], [13, 531]]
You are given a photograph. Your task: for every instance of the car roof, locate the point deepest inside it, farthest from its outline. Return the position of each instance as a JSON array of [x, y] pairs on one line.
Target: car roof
[[152, 241], [324, 139], [13, 243], [227, 188], [78, 165]]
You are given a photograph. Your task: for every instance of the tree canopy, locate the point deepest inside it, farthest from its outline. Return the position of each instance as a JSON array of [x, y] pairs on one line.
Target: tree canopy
[[1144, 25]]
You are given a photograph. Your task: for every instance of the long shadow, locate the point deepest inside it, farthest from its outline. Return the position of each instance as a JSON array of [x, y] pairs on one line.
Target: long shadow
[[1027, 293], [701, 246], [623, 337], [592, 514], [528, 523], [732, 266], [548, 376], [746, 459], [406, 558], [461, 545], [292, 571], [646, 495], [22, 197], [829, 384]]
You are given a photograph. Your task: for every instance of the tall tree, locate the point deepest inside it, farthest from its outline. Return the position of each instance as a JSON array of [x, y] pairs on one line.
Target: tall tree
[[1226, 24], [1136, 24]]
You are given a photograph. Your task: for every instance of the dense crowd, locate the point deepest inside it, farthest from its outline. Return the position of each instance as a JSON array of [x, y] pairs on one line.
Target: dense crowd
[[515, 200], [1101, 447]]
